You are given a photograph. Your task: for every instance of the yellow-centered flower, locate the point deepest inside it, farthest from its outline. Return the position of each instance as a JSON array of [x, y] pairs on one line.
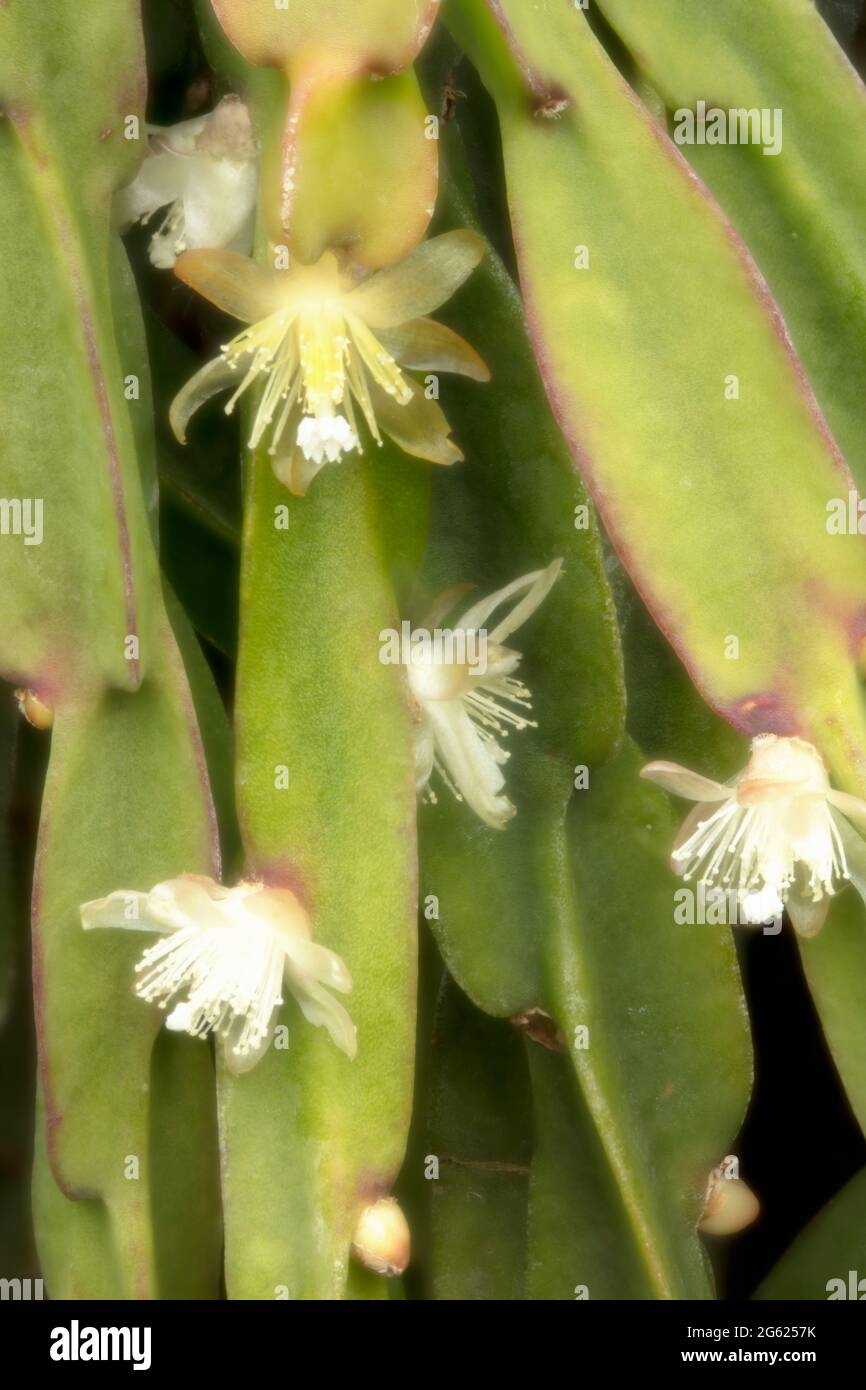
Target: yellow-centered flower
[[328, 352]]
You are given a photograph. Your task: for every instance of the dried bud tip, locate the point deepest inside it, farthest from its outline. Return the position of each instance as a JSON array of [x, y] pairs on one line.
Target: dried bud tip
[[382, 1241], [730, 1205], [35, 711]]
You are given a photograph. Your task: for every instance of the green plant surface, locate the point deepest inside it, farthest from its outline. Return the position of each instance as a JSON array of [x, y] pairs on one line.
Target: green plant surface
[[127, 799], [580, 1246], [480, 1135], [309, 1136], [510, 509], [535, 1057], [832, 1247], [835, 966], [363, 168], [800, 211], [687, 481], [378, 36], [79, 594], [124, 761], [519, 928], [663, 1004], [8, 950]]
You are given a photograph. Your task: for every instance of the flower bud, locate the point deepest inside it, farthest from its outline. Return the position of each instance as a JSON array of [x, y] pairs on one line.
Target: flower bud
[[382, 1241], [35, 711], [730, 1205]]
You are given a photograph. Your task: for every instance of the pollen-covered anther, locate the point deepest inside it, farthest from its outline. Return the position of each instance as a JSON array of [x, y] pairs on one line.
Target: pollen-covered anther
[[325, 438]]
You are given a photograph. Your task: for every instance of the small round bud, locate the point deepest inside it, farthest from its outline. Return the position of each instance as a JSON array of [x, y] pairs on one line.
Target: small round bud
[[382, 1241], [730, 1205], [35, 711]]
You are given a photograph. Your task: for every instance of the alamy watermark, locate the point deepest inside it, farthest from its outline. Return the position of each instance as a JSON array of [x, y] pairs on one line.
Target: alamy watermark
[[740, 125], [719, 907], [22, 516], [77, 1343], [21, 1290], [418, 646], [846, 516], [853, 1287]]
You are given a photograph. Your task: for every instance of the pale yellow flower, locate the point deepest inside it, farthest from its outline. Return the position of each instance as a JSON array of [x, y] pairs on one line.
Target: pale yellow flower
[[330, 352]]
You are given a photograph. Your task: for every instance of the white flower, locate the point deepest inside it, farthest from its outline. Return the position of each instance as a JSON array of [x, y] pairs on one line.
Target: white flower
[[203, 172], [777, 834], [223, 959], [461, 708]]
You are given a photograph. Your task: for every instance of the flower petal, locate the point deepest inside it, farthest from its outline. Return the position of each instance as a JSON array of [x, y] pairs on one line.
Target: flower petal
[[317, 963], [282, 910], [160, 181], [535, 587], [419, 427], [294, 470], [470, 762], [324, 1011], [124, 908], [680, 781], [212, 378], [171, 906], [425, 345], [855, 853], [236, 284], [424, 750], [807, 916], [417, 285], [852, 808], [186, 902], [240, 1062]]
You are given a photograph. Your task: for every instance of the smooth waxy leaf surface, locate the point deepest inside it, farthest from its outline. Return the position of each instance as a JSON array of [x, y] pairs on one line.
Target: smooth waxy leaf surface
[[834, 962], [827, 1259], [480, 1135]]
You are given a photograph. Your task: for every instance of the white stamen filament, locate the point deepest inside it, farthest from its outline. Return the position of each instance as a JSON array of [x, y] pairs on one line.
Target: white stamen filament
[[320, 359], [232, 976], [756, 848]]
